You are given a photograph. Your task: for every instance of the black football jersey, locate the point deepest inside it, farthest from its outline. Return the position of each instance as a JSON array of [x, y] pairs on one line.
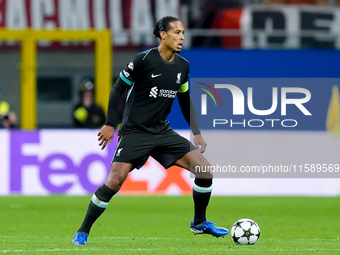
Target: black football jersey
[[154, 84]]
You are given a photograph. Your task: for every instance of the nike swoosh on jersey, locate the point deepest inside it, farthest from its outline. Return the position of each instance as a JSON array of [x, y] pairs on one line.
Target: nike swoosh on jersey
[[155, 75]]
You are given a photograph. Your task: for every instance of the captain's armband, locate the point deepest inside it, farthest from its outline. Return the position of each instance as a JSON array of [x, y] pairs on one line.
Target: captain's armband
[[184, 87]]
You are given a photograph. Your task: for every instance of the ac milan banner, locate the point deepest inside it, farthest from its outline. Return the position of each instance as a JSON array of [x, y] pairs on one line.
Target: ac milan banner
[[291, 27], [282, 27], [132, 22], [139, 16]]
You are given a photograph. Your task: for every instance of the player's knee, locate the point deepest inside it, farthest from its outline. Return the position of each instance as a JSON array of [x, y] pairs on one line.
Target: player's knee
[[202, 174], [114, 183], [116, 178]]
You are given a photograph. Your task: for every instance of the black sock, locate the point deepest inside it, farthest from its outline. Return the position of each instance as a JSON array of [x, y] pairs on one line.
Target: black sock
[[98, 204], [201, 195]]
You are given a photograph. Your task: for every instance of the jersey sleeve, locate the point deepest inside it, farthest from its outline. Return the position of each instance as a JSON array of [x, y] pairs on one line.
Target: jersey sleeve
[[185, 85], [130, 72]]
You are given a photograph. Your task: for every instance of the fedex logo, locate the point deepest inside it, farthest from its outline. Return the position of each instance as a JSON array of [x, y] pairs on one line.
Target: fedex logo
[[71, 162]]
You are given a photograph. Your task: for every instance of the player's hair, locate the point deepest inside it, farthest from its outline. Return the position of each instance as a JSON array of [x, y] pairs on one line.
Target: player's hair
[[163, 25]]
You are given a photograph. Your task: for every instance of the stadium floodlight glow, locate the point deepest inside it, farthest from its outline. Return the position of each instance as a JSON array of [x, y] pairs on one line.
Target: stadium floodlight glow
[[28, 65]]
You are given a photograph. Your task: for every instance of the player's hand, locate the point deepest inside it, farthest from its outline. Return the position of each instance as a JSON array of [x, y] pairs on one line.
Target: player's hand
[[200, 143], [105, 136]]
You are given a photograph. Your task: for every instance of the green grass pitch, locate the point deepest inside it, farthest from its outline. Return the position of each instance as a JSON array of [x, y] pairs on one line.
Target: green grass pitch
[[160, 225]]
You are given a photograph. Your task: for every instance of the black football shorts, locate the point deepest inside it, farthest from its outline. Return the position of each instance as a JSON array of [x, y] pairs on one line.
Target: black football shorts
[[166, 148]]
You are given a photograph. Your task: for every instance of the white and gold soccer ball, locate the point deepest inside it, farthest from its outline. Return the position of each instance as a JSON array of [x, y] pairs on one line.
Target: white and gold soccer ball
[[245, 232]]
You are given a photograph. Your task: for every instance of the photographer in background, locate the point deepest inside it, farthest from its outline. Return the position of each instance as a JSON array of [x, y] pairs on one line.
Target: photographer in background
[[4, 106], [87, 114], [8, 119]]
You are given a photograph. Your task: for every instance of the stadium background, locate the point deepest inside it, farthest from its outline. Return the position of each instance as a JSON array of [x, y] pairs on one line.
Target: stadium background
[[224, 39]]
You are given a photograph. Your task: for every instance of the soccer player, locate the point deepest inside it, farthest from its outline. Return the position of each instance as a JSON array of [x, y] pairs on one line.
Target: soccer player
[[153, 79]]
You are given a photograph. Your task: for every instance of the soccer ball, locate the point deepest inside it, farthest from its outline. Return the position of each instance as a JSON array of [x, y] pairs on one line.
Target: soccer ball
[[245, 231]]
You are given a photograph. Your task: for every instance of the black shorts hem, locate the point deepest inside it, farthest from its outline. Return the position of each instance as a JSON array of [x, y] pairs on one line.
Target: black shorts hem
[[182, 155], [134, 165]]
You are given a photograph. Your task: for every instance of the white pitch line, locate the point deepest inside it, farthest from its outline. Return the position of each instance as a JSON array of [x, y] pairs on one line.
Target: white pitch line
[[172, 249], [318, 239], [139, 237], [74, 249], [84, 248], [49, 250]]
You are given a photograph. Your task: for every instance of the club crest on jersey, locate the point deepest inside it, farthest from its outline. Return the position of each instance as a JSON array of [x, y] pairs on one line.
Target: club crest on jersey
[[118, 152], [178, 78]]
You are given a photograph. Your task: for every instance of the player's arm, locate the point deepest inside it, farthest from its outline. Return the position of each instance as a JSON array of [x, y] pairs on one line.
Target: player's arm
[[189, 113], [106, 133], [113, 109]]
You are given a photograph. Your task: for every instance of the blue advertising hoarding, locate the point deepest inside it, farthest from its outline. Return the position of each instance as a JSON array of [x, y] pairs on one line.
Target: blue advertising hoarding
[[286, 68], [262, 103]]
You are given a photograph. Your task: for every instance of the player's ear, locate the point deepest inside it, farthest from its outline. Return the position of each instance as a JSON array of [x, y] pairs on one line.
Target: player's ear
[[162, 34]]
